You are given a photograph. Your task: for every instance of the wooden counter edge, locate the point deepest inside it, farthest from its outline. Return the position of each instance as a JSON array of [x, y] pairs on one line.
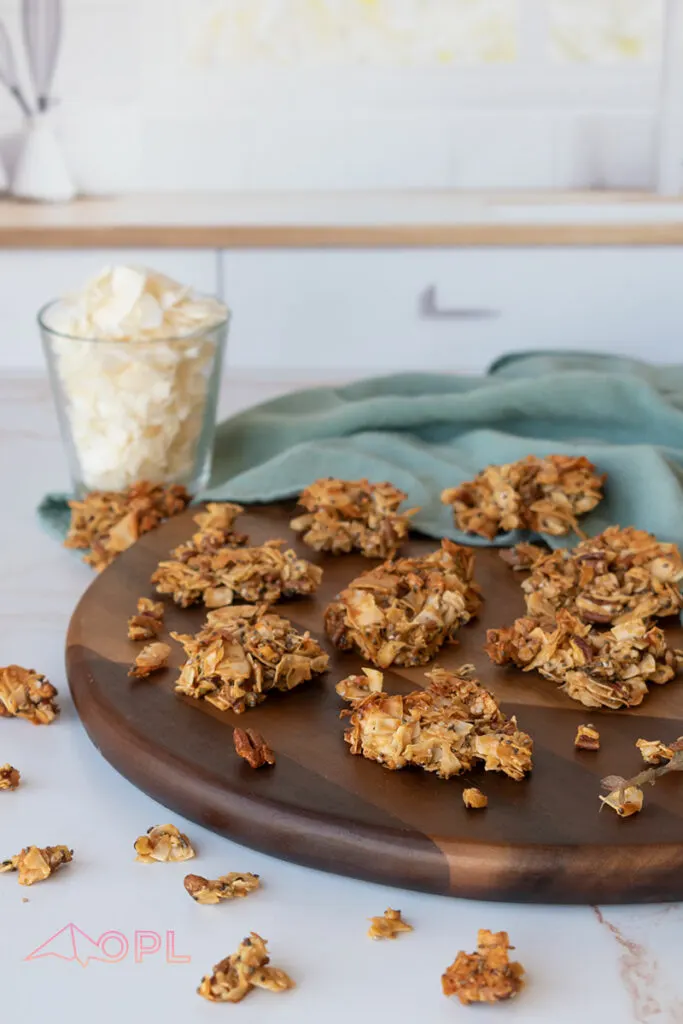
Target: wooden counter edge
[[338, 236]]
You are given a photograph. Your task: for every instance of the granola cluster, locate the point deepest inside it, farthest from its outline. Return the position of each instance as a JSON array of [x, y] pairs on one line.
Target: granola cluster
[[233, 886], [599, 669], [251, 746], [151, 658], [27, 694], [545, 495], [587, 738], [242, 653], [216, 530], [656, 752], [148, 622], [486, 976], [108, 522], [447, 728], [620, 574], [403, 611], [234, 977], [353, 515], [388, 926], [474, 799], [9, 777], [232, 575], [35, 863], [163, 843]]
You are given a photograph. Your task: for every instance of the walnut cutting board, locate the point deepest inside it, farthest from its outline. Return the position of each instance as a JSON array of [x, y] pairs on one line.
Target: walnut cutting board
[[541, 840]]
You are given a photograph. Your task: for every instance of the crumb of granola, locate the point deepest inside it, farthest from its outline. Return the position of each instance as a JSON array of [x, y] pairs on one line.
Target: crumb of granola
[[523, 557], [207, 891], [163, 843], [243, 653], [474, 798], [486, 976], [27, 694], [609, 669], [587, 738], [215, 523], [235, 976], [447, 728], [353, 515], [151, 658], [148, 622], [9, 777], [656, 752], [541, 494], [618, 575], [232, 575], [388, 926], [35, 863], [402, 612], [108, 522], [251, 746], [625, 801]]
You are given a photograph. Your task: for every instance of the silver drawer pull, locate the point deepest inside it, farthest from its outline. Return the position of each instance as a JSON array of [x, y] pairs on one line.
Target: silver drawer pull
[[430, 311]]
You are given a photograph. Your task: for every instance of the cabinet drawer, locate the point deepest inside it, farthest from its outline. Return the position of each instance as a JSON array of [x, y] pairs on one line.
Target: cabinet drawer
[[30, 278], [449, 309]]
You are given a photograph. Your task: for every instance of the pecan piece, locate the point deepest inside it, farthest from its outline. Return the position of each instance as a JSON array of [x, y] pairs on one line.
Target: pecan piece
[[251, 745], [587, 738]]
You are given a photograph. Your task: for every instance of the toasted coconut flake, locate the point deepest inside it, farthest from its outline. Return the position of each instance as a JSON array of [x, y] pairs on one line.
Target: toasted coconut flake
[[474, 798], [251, 746], [163, 843], [35, 863], [448, 728], [234, 885], [587, 738], [353, 515], [402, 612], [9, 777], [235, 976], [544, 495], [388, 926], [27, 694], [625, 802], [598, 669], [151, 658], [232, 575], [486, 976], [619, 575], [234, 661], [108, 522]]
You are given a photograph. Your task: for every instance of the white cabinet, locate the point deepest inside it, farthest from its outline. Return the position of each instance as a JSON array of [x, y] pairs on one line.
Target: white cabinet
[[30, 278], [449, 309]]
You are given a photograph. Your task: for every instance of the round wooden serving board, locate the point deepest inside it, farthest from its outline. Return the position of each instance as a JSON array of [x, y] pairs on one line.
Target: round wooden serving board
[[540, 840]]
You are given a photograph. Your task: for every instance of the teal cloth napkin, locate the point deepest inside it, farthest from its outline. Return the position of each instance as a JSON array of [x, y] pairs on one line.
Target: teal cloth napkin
[[425, 432]]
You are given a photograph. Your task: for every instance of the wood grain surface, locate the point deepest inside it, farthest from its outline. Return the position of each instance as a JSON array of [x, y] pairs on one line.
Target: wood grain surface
[[540, 840]]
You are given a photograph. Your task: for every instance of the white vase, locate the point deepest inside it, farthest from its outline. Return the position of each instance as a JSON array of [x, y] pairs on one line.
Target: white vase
[[41, 172]]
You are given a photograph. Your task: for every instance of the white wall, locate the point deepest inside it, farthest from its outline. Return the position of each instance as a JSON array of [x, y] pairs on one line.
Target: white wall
[[212, 94]]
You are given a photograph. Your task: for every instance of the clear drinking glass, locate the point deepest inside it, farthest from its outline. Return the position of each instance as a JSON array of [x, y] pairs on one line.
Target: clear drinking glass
[[136, 410]]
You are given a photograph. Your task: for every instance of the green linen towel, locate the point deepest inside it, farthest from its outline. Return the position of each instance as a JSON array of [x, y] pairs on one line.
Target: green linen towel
[[425, 432]]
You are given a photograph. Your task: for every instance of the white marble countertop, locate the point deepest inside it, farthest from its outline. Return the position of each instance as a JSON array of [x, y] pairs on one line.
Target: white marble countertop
[[609, 964]]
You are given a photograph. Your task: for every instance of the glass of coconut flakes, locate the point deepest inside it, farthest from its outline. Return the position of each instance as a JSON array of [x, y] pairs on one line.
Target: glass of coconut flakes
[[135, 363]]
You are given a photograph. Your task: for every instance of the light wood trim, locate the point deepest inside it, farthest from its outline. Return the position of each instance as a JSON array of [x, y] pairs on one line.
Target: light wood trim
[[337, 236]]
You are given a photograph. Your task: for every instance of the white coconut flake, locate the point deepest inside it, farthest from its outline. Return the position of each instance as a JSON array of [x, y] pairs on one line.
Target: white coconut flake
[[137, 387]]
